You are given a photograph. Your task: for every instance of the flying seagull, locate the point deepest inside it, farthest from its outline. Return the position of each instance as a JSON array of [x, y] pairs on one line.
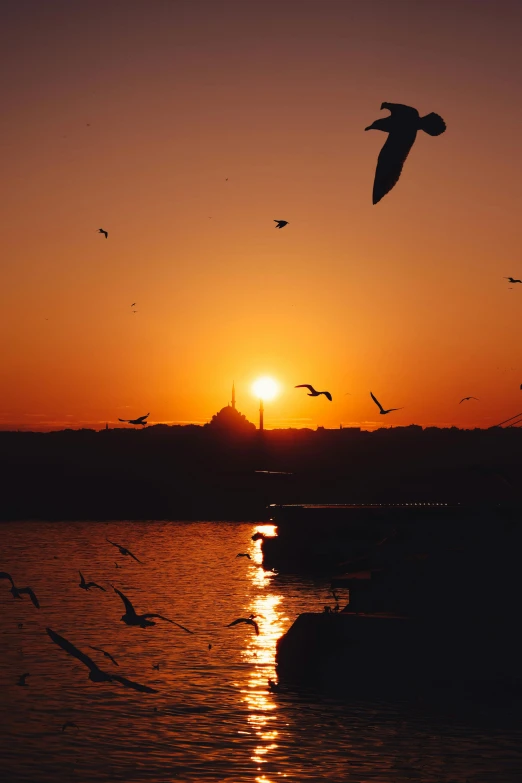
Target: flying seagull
[[381, 409], [468, 398], [313, 392], [21, 679], [87, 585], [512, 280], [139, 420], [401, 126], [281, 223], [69, 725], [105, 653], [142, 620], [123, 550], [249, 620], [17, 592], [95, 673], [244, 554], [133, 304], [102, 231]]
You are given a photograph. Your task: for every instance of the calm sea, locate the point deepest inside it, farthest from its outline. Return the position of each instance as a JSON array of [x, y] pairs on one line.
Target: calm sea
[[213, 718]]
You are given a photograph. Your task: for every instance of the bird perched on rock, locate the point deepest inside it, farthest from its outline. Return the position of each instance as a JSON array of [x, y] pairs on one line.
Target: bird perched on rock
[[281, 223], [313, 392], [401, 126]]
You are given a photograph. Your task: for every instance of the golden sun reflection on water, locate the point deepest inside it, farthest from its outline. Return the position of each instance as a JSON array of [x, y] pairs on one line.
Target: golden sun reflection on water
[[260, 653]]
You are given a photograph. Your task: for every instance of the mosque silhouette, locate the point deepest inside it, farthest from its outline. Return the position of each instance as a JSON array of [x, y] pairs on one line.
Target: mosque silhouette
[[230, 419]]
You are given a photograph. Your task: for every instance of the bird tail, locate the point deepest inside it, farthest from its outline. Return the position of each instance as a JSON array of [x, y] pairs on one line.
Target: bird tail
[[432, 124]]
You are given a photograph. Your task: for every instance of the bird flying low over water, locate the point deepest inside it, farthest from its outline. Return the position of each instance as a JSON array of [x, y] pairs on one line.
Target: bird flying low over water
[[87, 585], [468, 398], [281, 223], [139, 420], [102, 231], [21, 679], [95, 673], [123, 550], [17, 592], [105, 653], [249, 620], [401, 126], [381, 409], [512, 280], [244, 554], [69, 725], [142, 620], [313, 392]]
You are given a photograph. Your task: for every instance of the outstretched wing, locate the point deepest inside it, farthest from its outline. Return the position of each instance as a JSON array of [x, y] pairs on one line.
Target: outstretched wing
[[393, 409], [328, 396], [71, 649], [142, 418], [376, 401], [305, 386], [128, 606], [131, 684], [256, 627], [161, 617], [108, 655], [390, 162], [93, 584], [5, 575], [125, 420], [134, 557], [29, 592]]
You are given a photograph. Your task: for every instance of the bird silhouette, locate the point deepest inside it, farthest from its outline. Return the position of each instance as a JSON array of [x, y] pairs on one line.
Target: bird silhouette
[[249, 620], [281, 223], [381, 409], [22, 678], [142, 620], [156, 666], [95, 673], [101, 231], [512, 280], [123, 550], [87, 585], [69, 725], [17, 592], [139, 420], [313, 392], [135, 311], [244, 554], [401, 126], [105, 653], [468, 398], [133, 304]]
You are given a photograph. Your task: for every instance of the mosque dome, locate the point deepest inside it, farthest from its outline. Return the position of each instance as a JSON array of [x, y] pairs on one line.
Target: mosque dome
[[230, 419]]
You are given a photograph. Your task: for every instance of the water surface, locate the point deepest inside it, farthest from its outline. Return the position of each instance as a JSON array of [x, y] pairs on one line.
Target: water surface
[[213, 718]]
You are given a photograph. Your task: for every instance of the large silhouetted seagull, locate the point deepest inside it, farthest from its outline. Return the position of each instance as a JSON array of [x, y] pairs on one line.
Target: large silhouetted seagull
[[87, 585], [139, 420], [313, 392], [512, 280], [95, 673], [123, 550], [17, 592], [142, 620], [381, 409], [281, 223], [102, 231], [401, 126], [249, 620]]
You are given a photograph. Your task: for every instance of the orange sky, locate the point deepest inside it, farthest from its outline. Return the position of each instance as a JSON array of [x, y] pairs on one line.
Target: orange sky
[[405, 298]]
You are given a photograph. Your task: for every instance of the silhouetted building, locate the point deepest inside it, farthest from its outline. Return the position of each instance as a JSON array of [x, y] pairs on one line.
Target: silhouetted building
[[228, 418]]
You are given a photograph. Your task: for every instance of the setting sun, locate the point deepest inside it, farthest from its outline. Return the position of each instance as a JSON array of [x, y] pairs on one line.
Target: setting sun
[[265, 388]]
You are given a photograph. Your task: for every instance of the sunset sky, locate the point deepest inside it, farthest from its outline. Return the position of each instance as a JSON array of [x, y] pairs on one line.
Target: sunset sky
[[129, 115]]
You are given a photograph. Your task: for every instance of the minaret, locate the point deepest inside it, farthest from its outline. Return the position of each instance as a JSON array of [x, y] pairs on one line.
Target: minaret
[[233, 396]]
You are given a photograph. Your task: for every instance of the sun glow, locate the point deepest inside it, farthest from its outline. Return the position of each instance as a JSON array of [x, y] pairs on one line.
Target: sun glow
[[265, 388]]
